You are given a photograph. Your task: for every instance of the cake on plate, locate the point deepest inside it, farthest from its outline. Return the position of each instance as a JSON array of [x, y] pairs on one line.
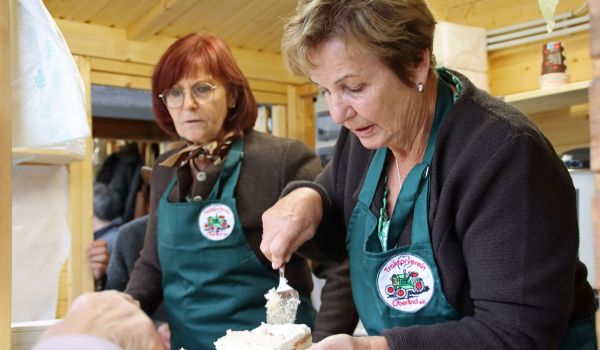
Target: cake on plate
[[267, 337]]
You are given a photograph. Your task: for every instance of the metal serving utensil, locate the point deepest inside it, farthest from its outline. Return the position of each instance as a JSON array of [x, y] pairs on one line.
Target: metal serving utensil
[[282, 303]]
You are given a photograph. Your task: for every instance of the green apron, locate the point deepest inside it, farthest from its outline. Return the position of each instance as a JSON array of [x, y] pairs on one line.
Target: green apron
[[212, 279], [403, 282]]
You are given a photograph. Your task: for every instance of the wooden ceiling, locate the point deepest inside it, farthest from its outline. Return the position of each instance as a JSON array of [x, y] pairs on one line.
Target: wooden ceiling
[[256, 24]]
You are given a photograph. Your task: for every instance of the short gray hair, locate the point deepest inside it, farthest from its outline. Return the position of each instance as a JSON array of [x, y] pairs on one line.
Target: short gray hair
[[396, 31]]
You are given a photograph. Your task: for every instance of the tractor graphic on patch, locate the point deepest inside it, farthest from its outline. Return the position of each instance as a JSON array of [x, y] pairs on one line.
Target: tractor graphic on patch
[[216, 223], [405, 285]]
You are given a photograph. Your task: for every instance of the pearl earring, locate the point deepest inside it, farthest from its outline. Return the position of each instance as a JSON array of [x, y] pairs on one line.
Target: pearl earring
[[420, 87]]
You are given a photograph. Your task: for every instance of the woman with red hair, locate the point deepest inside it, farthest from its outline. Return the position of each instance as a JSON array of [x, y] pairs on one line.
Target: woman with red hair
[[201, 252]]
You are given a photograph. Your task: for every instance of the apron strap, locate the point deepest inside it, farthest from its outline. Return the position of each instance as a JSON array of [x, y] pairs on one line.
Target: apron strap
[[417, 181], [230, 173], [374, 172]]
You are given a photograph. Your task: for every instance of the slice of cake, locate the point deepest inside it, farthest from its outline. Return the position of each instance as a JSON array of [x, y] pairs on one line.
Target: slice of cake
[[280, 310], [267, 337]]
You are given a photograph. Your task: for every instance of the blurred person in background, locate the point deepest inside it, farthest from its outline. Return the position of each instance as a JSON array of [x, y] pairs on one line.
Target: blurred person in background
[[106, 222]]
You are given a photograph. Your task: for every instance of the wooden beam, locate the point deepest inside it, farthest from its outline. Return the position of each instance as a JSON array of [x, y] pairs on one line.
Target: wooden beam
[[309, 121], [295, 129], [308, 90], [6, 21], [79, 271], [159, 16], [109, 43], [126, 129], [121, 67], [270, 98], [279, 120], [120, 80]]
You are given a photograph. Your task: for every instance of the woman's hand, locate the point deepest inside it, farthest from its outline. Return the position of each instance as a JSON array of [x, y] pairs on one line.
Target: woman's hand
[[165, 335], [110, 315], [346, 342], [99, 258], [289, 223]]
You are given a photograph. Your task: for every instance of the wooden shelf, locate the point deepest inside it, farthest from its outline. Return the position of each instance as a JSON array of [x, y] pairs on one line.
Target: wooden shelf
[[25, 155], [531, 102]]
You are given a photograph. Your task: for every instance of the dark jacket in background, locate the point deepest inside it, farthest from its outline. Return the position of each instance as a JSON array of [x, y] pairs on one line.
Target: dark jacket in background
[[129, 243], [121, 172]]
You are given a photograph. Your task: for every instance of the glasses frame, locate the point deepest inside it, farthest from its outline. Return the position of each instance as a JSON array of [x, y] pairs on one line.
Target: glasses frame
[[163, 95]]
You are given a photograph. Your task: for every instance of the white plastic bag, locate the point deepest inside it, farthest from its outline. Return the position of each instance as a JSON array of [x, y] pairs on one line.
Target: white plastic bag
[[48, 92]]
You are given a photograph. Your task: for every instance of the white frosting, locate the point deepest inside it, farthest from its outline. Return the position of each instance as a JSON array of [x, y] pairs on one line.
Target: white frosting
[[267, 337]]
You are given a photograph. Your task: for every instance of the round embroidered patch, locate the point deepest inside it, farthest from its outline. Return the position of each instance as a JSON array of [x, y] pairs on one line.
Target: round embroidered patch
[[405, 283], [216, 222]]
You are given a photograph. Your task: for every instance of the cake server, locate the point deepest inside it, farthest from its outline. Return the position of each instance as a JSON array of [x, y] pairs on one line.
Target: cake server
[[282, 303]]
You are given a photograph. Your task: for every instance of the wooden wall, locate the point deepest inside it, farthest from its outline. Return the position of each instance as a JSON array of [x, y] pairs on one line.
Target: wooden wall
[[5, 175], [517, 69]]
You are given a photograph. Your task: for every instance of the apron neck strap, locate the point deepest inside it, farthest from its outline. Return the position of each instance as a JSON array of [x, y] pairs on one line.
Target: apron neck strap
[[420, 224], [416, 183], [230, 173]]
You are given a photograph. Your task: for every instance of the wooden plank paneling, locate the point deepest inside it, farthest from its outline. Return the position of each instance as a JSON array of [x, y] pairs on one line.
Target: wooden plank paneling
[[264, 20], [121, 67], [158, 17], [211, 12], [121, 14], [82, 11], [121, 80], [109, 43], [493, 13], [6, 22]]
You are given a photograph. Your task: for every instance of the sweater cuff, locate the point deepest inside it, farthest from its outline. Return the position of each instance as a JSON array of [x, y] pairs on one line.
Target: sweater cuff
[[68, 342], [327, 205], [393, 338]]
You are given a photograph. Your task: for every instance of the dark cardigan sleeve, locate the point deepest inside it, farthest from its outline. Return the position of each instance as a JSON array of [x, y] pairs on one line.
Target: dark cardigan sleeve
[[128, 245], [145, 283], [337, 314]]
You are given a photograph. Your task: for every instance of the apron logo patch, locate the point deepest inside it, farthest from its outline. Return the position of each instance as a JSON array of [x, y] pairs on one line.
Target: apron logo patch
[[216, 222], [405, 283]]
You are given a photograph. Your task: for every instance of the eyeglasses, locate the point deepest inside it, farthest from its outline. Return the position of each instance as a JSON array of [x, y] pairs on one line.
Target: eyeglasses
[[201, 92]]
